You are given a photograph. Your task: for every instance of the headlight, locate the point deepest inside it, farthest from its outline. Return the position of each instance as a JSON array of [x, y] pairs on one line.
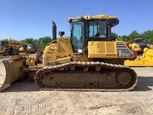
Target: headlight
[[53, 47]]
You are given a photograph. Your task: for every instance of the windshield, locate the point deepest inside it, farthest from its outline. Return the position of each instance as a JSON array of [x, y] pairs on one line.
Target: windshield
[[0, 43], [24, 45], [29, 45], [139, 41], [97, 29], [77, 34]]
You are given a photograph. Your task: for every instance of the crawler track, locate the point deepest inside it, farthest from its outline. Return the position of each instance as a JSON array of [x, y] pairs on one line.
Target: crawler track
[[86, 76]]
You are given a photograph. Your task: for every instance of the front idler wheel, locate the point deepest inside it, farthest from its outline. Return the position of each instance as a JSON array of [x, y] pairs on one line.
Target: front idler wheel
[[123, 78]]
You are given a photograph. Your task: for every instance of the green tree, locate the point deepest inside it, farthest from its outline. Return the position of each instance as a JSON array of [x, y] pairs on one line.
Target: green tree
[[114, 35], [125, 37], [28, 41], [134, 34], [43, 41], [147, 35]]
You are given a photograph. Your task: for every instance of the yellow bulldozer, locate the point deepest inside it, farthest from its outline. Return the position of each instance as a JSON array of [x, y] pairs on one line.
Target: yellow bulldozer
[[143, 53], [27, 48], [9, 47], [89, 61]]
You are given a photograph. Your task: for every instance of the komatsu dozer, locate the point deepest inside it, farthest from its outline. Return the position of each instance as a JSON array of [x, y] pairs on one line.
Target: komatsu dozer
[[87, 61]]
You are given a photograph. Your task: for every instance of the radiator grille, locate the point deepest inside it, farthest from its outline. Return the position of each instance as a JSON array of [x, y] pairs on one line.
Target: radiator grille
[[106, 47], [110, 48], [101, 47]]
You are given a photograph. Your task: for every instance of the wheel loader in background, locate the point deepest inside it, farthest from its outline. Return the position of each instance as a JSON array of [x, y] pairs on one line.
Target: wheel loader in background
[[30, 48], [143, 53], [89, 61], [9, 47], [27, 48]]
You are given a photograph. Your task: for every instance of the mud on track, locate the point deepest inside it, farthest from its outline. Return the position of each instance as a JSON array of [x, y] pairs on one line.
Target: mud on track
[[23, 97]]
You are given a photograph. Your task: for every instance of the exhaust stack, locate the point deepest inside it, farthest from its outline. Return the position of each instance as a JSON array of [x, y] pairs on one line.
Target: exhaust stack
[[54, 31]]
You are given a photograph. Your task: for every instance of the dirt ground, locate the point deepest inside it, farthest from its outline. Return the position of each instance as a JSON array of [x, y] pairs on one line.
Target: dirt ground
[[24, 98]]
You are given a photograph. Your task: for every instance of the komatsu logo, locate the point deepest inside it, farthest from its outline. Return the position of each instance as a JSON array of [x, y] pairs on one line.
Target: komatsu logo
[[124, 54]]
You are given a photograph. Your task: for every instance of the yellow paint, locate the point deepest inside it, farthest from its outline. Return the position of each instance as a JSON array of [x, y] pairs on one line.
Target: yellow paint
[[145, 60], [88, 17], [134, 46], [57, 49]]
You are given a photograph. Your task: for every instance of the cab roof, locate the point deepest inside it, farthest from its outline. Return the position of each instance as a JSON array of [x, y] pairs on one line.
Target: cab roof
[[113, 19]]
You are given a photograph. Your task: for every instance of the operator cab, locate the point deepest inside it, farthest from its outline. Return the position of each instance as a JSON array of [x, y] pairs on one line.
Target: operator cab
[[29, 45], [90, 28], [24, 46], [142, 44], [2, 43]]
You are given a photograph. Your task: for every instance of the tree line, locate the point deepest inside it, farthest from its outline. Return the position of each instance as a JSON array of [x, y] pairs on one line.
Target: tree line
[[146, 35], [41, 42]]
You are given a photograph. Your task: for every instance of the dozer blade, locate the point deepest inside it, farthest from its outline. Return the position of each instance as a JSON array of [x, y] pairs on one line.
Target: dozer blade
[[138, 63], [10, 70]]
